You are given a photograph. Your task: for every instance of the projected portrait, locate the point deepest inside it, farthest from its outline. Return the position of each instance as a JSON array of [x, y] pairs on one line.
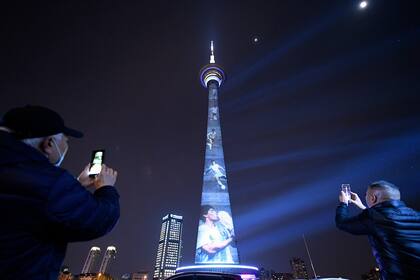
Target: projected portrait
[[216, 237]]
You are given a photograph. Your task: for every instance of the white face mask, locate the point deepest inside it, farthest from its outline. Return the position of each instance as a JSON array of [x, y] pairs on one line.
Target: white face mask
[[62, 155]]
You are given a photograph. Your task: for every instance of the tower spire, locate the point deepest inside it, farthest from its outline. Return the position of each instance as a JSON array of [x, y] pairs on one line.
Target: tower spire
[[212, 60], [212, 72]]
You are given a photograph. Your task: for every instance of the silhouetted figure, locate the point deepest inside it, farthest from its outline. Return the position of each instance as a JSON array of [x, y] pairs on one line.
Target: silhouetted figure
[[43, 207], [393, 229]]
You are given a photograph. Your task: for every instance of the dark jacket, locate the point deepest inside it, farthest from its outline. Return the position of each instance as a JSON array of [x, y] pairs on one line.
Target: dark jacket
[[42, 208], [393, 230]]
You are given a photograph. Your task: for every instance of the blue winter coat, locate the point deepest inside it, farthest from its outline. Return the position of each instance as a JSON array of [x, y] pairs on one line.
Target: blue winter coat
[[42, 208]]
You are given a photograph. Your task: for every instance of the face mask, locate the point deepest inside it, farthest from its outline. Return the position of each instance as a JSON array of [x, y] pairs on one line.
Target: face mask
[[62, 155]]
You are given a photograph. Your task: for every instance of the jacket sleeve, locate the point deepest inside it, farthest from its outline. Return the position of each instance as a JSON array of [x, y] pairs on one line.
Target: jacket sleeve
[[358, 225], [75, 214]]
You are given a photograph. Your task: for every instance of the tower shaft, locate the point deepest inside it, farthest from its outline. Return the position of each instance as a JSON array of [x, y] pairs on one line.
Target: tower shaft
[[216, 234]]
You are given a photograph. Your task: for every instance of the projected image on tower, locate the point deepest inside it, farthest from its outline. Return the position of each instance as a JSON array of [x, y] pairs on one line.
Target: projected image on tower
[[216, 235]]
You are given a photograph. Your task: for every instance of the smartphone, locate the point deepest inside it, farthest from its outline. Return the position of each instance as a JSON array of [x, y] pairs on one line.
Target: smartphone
[[346, 189], [96, 162]]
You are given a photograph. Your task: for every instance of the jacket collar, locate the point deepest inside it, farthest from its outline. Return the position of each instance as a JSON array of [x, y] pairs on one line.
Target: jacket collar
[[390, 203]]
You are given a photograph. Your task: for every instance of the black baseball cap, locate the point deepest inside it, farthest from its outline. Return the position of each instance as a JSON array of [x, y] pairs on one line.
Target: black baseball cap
[[36, 121]]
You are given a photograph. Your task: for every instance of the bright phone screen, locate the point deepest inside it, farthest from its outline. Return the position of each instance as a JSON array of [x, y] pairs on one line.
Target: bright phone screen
[[96, 163]]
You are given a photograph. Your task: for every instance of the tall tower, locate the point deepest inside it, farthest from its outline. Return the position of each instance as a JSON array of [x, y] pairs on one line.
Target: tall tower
[[91, 260], [169, 248], [216, 249], [216, 234], [110, 254]]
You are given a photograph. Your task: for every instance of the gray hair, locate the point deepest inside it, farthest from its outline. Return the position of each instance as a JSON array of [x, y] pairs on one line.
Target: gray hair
[[386, 190], [3, 128], [36, 142]]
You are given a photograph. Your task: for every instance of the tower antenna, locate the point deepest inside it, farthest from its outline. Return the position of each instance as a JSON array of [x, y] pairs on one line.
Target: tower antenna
[[212, 60]]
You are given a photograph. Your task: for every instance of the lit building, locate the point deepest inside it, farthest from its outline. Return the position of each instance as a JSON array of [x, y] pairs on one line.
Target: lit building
[[65, 274], [373, 274], [89, 271], [91, 259], [282, 276], [299, 269], [143, 275], [87, 276], [169, 249], [265, 274], [94, 276], [110, 254]]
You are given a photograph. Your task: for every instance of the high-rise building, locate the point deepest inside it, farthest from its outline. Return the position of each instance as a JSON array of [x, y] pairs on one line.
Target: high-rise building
[[110, 254], [299, 269], [65, 273], [142, 275], [282, 276], [265, 274], [91, 259], [373, 274], [169, 249], [215, 223]]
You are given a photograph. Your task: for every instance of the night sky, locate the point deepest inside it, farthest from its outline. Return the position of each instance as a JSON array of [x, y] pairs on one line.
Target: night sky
[[328, 95]]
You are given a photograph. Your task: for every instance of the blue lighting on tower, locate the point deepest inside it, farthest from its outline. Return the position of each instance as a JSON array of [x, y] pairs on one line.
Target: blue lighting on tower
[[216, 234]]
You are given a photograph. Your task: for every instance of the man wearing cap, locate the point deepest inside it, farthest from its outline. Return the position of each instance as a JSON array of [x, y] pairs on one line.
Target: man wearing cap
[[42, 206]]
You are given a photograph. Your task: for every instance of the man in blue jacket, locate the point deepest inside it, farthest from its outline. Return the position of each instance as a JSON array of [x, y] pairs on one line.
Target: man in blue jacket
[[42, 206], [393, 229]]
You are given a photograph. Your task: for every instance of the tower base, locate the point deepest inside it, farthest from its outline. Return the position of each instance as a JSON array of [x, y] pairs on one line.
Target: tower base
[[245, 271]]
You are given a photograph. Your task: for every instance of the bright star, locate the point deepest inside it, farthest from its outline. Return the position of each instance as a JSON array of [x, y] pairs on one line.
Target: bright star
[[255, 39]]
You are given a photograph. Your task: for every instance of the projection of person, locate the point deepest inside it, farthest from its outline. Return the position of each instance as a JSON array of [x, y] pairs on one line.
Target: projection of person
[[219, 173], [215, 236]]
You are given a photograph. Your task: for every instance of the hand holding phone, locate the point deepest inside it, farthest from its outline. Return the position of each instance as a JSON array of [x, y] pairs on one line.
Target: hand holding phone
[[107, 177], [346, 192], [84, 178], [357, 201]]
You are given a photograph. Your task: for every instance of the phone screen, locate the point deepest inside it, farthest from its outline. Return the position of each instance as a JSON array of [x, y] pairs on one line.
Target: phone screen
[[346, 189], [96, 162]]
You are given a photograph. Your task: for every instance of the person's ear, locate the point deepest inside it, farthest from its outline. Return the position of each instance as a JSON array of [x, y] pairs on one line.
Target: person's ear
[[47, 145], [374, 198]]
